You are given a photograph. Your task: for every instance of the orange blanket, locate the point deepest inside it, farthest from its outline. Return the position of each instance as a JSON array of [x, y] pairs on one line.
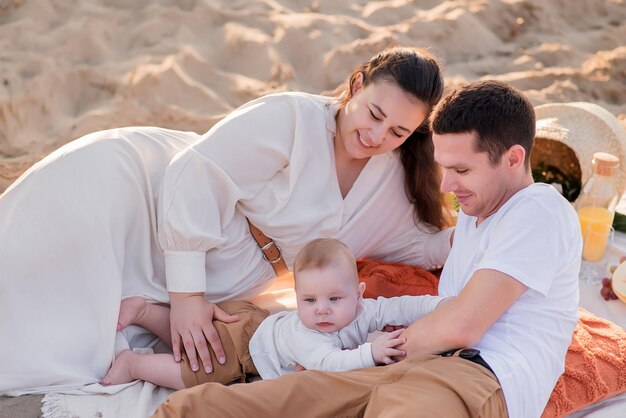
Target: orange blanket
[[595, 365]]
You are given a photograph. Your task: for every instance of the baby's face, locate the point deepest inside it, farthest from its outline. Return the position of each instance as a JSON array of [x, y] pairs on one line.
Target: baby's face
[[328, 298]]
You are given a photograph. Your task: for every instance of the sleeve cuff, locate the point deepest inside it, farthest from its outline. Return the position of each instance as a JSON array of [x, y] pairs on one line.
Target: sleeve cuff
[[367, 357], [185, 271]]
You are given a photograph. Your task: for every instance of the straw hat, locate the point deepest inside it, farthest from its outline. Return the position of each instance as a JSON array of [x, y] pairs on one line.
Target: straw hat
[[568, 134]]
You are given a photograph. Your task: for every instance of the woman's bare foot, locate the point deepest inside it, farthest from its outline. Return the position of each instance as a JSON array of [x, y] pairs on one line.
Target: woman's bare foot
[[131, 311], [120, 370]]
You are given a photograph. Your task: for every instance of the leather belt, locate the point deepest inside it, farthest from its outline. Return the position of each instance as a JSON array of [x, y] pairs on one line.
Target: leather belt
[[270, 250], [471, 354]]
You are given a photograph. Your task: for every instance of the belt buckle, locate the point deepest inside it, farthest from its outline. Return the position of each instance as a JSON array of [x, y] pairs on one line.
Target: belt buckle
[[469, 353], [266, 247]]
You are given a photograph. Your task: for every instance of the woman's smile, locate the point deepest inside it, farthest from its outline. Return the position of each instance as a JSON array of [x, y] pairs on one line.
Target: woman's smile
[[362, 143]]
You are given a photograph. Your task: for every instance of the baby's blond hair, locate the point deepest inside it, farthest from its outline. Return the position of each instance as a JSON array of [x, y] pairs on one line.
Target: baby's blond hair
[[324, 252]]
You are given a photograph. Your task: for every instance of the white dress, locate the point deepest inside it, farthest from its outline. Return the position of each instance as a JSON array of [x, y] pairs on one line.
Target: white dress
[[137, 211]]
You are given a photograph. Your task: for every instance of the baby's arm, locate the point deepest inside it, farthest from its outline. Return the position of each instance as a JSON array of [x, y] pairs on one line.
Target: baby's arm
[[322, 353], [401, 310], [326, 356]]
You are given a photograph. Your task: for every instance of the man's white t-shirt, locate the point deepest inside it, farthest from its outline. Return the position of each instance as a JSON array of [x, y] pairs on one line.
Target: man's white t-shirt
[[534, 238]]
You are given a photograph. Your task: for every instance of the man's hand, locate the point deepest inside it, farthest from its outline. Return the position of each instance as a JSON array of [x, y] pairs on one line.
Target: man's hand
[[390, 328], [191, 321], [384, 347]]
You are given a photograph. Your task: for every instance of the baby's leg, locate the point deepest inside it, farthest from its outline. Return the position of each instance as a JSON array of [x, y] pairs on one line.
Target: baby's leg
[[155, 318], [160, 369]]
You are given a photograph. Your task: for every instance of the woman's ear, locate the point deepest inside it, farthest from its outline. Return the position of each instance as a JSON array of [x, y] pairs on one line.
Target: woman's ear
[[361, 289], [356, 83]]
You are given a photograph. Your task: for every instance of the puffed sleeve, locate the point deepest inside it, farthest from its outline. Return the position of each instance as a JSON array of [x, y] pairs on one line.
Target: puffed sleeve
[[434, 247], [421, 244], [202, 185]]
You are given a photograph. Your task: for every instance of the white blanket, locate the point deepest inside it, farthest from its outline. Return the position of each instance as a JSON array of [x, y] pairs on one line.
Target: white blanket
[[140, 399]]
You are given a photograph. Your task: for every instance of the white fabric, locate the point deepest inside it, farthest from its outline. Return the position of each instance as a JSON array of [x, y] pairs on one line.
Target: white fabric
[[534, 238], [137, 399], [282, 341], [272, 161], [128, 403], [78, 231]]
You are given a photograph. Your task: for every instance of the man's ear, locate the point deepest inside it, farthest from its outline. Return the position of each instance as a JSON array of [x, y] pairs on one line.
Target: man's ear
[[515, 156], [357, 83], [361, 289]]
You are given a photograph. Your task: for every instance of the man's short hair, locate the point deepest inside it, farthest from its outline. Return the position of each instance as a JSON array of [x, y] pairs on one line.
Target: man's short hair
[[499, 115], [324, 252]]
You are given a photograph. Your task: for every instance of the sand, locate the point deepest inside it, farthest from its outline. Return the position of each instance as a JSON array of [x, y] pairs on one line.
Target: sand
[[68, 68]]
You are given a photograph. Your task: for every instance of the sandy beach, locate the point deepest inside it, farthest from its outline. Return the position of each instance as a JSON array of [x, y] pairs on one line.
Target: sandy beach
[[68, 68]]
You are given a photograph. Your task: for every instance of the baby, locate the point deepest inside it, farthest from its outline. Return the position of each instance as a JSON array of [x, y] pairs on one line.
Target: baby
[[328, 331]]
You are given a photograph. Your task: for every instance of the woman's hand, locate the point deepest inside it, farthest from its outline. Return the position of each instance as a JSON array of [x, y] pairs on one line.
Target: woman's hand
[[191, 321]]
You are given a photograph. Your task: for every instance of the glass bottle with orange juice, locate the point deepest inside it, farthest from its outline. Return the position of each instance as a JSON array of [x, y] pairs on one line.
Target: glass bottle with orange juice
[[596, 205]]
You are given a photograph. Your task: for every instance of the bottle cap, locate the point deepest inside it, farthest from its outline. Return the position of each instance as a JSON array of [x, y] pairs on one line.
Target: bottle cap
[[604, 163]]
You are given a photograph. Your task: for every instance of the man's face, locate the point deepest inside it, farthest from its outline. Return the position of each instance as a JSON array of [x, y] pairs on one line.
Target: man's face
[[480, 187]]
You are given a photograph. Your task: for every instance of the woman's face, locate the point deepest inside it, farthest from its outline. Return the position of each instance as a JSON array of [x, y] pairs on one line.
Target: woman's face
[[378, 118]]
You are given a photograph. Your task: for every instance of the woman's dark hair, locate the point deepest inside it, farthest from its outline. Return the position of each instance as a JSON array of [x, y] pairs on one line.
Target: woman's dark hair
[[418, 74]]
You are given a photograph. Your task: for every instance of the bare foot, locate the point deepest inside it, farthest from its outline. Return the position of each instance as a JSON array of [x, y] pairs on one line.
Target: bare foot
[[120, 370], [131, 311]]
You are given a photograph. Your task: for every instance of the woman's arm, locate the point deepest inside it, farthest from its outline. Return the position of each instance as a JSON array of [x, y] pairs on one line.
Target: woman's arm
[[201, 190]]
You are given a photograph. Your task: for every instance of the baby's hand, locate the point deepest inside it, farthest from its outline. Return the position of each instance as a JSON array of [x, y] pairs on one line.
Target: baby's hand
[[383, 347]]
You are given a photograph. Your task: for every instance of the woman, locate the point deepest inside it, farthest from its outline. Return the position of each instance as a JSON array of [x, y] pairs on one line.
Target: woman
[[162, 214]]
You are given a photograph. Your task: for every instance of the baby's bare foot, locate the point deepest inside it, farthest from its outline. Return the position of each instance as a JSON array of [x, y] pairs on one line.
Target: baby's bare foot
[[131, 311], [120, 370]]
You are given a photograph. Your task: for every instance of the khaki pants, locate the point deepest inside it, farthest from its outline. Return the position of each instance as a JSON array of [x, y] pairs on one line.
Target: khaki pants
[[235, 338], [420, 386]]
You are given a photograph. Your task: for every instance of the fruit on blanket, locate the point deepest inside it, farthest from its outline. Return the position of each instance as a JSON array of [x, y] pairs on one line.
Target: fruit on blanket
[[618, 283], [619, 288], [607, 289]]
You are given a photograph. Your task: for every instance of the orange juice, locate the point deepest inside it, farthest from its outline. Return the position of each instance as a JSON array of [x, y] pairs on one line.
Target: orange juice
[[595, 224]]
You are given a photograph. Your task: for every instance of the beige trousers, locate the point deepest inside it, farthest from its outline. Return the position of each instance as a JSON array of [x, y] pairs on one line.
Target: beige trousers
[[420, 386], [235, 338]]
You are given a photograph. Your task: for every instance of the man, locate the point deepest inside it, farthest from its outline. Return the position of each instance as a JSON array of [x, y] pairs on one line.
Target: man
[[513, 268]]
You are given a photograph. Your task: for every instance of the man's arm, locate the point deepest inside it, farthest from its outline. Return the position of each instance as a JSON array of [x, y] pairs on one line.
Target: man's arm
[[463, 320]]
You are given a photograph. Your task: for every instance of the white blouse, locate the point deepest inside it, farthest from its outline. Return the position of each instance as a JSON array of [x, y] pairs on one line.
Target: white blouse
[[143, 210], [272, 161]]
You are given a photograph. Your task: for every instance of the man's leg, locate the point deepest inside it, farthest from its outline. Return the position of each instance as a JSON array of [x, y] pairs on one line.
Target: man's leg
[[421, 386], [439, 387], [303, 394]]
